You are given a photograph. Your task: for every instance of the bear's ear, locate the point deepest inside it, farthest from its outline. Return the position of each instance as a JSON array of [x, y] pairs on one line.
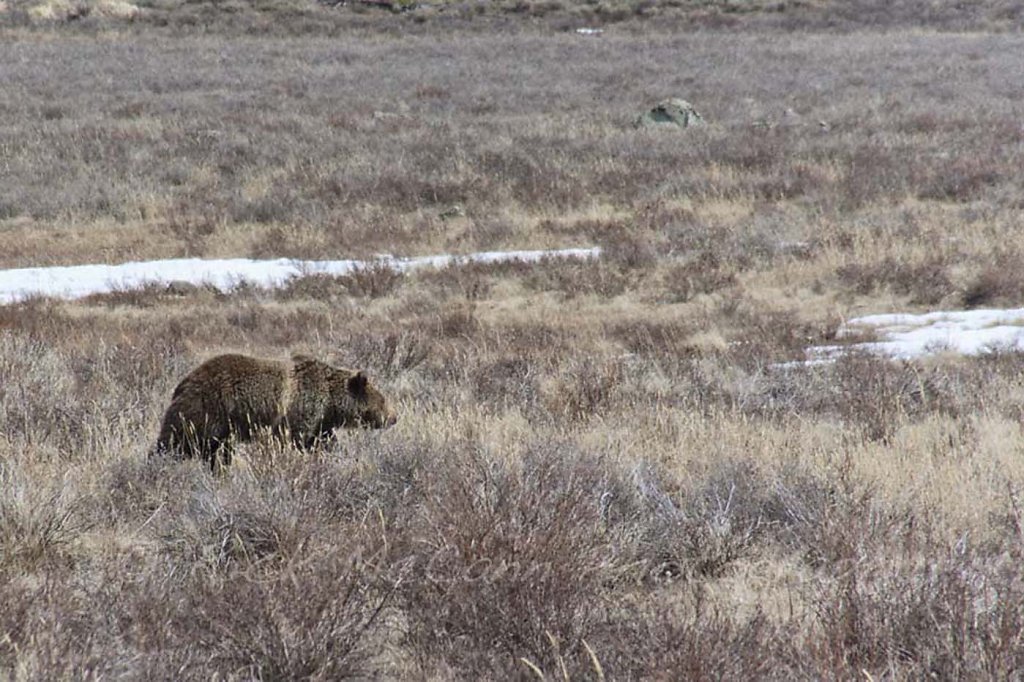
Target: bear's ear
[[357, 384]]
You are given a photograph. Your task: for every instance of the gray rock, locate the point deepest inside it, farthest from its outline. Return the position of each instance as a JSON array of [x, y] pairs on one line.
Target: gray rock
[[454, 211], [670, 112]]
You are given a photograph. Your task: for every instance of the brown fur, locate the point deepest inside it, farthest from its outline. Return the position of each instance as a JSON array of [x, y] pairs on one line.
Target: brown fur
[[236, 396]]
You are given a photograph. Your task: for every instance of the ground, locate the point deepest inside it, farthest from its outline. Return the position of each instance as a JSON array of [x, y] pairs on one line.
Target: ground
[[615, 467]]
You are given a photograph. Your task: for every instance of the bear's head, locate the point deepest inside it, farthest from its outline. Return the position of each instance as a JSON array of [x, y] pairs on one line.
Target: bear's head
[[369, 406]]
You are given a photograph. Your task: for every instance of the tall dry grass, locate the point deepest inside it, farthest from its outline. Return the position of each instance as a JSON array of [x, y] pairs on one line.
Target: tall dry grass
[[557, 497], [602, 468]]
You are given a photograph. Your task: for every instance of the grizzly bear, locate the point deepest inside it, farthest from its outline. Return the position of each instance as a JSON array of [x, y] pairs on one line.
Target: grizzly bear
[[237, 396]]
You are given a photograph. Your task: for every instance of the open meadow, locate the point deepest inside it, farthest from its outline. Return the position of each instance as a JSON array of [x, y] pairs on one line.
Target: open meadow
[[616, 468]]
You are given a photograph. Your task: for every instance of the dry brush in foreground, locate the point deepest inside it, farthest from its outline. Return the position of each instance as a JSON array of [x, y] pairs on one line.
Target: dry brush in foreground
[[563, 497]]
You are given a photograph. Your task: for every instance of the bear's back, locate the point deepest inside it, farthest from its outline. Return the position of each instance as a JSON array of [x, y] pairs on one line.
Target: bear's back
[[239, 383]]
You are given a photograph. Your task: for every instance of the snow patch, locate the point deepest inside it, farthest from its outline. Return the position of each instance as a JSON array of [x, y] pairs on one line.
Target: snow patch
[[905, 336], [77, 281]]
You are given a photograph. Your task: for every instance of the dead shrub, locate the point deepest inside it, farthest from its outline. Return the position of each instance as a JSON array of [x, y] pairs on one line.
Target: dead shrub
[[315, 287], [724, 522], [573, 278], [993, 286], [146, 296], [34, 317], [963, 179], [874, 394], [657, 340], [926, 283], [471, 281], [734, 513], [588, 389], [999, 283], [37, 402], [375, 280], [704, 644], [874, 171], [899, 604], [629, 251], [506, 558], [506, 382], [389, 354], [225, 530], [490, 231], [529, 177], [138, 489], [459, 322], [762, 335], [36, 526], [430, 91], [315, 621], [704, 275], [192, 221], [880, 395]]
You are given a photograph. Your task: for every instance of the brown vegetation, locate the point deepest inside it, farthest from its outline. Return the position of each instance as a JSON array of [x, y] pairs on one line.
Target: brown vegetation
[[602, 467]]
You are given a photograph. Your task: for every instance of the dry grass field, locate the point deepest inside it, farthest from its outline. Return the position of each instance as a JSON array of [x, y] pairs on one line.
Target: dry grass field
[[603, 469]]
